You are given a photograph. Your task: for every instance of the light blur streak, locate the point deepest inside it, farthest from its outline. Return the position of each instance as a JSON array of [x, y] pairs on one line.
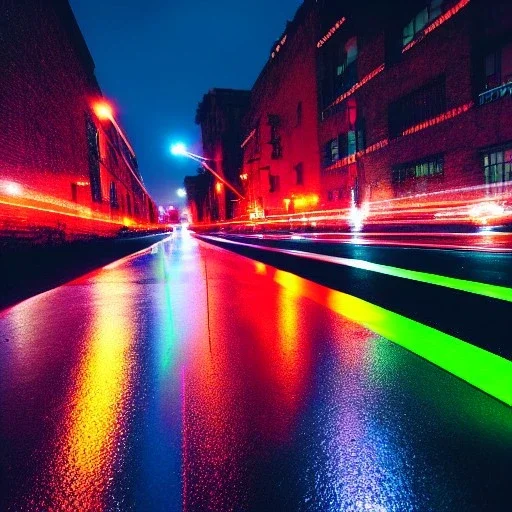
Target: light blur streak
[[25, 205], [484, 370], [447, 207], [478, 288], [94, 423]]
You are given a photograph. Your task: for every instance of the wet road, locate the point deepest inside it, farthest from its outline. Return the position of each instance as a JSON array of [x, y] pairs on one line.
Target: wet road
[[191, 378]]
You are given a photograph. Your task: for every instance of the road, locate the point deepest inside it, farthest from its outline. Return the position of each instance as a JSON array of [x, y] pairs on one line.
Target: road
[[192, 378]]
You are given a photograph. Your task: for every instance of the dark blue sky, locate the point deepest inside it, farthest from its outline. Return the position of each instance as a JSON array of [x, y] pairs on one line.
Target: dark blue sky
[[156, 58]]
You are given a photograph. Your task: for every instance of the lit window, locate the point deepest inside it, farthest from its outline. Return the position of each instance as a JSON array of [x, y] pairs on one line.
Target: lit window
[[331, 152], [497, 163], [425, 168], [423, 18], [346, 67]]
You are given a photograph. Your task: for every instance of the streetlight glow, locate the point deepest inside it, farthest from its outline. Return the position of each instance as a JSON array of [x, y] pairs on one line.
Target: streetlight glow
[[179, 149], [103, 111], [181, 192]]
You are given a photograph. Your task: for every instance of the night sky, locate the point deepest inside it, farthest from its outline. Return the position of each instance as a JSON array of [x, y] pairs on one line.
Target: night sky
[[156, 58]]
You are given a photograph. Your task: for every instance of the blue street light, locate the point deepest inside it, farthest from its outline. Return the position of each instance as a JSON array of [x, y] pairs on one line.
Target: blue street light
[[179, 149]]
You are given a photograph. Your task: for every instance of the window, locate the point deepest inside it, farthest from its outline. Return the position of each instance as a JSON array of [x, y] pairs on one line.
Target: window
[[428, 167], [428, 14], [257, 140], [346, 67], [275, 139], [299, 113], [498, 67], [114, 203], [331, 152], [93, 153], [424, 103], [299, 170], [346, 144], [337, 71], [274, 183], [497, 164]]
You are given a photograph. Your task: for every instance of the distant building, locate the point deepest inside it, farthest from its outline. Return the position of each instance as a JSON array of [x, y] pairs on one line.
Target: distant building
[[62, 162], [198, 194], [281, 161], [220, 116]]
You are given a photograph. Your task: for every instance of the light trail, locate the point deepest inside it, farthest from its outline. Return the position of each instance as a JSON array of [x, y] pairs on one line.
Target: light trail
[[474, 287], [480, 368]]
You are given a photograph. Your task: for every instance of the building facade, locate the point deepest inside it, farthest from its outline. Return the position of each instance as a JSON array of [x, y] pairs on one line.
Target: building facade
[[369, 101], [220, 115], [64, 161], [416, 101], [281, 171]]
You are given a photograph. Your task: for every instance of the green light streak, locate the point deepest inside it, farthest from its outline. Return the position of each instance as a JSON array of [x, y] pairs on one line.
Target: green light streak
[[480, 368], [487, 290]]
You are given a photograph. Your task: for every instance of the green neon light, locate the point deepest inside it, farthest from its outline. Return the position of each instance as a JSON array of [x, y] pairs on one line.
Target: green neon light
[[488, 290], [480, 368]]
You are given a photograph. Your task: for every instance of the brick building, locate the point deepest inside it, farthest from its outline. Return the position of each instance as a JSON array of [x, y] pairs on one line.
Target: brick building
[[281, 157], [220, 116], [375, 100], [62, 164], [418, 99]]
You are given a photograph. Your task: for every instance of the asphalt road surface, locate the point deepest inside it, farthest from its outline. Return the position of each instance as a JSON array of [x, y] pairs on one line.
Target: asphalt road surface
[[193, 378]]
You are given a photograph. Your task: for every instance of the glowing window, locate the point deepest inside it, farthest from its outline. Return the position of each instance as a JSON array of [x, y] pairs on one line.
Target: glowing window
[[423, 18], [427, 167], [497, 163]]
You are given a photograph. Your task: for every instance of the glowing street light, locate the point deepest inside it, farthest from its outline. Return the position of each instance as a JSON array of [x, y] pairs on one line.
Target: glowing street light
[[181, 192], [103, 111], [179, 149]]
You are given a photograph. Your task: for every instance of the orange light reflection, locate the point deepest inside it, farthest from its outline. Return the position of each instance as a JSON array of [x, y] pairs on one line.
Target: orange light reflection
[[95, 422]]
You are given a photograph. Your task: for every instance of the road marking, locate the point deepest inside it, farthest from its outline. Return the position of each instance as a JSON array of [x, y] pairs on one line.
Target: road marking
[[474, 287]]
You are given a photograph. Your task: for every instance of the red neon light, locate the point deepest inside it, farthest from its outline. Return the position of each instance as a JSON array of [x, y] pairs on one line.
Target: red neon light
[[279, 46], [331, 32], [249, 137], [439, 119], [359, 84], [351, 159], [436, 23]]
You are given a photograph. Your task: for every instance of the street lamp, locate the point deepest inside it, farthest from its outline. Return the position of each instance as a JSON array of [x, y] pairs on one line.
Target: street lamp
[[179, 149], [104, 112], [181, 192]]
